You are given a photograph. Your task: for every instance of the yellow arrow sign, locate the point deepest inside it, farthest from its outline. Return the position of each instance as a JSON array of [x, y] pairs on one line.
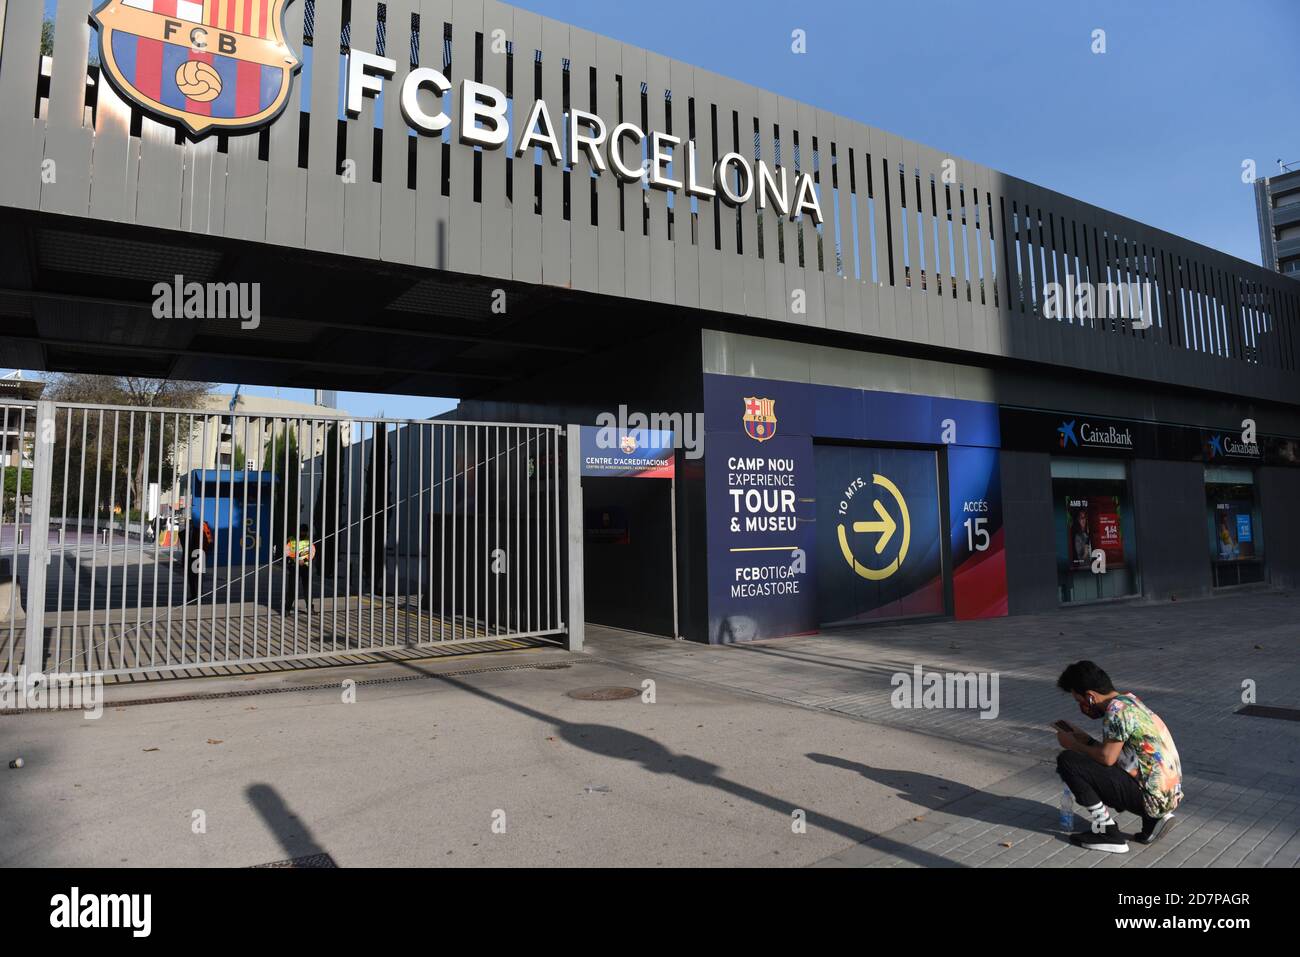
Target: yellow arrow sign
[[885, 527]]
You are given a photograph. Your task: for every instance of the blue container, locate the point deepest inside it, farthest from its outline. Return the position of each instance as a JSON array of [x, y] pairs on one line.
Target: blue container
[[228, 502]]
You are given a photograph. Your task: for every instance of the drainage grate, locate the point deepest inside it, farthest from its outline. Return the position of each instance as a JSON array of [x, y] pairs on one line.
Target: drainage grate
[[1264, 711], [603, 694], [311, 860], [249, 692]]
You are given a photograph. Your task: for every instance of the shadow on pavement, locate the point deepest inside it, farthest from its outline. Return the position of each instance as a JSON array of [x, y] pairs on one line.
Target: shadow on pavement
[[609, 741], [936, 793], [294, 836]]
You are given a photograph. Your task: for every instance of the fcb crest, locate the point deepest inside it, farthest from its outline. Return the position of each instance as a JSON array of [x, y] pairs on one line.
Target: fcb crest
[[760, 418], [627, 444], [206, 65]]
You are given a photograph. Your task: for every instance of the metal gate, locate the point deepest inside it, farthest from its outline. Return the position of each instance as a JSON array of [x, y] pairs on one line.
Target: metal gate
[[139, 540]]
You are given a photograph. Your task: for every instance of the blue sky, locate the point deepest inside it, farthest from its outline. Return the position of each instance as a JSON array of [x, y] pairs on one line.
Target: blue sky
[[1155, 128]]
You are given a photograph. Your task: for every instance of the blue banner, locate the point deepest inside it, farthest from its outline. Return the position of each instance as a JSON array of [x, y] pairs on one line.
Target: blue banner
[[783, 477], [633, 453]]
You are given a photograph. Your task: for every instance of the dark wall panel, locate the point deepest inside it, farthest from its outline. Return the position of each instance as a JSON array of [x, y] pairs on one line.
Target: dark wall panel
[[1030, 532], [629, 584], [1169, 501], [1279, 495]]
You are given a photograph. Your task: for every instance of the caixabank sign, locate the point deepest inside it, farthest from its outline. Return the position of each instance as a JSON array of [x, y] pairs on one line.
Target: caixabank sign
[[1082, 434], [831, 505]]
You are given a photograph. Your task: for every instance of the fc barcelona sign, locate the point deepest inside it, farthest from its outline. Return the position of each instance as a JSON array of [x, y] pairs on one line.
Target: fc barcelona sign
[[206, 65]]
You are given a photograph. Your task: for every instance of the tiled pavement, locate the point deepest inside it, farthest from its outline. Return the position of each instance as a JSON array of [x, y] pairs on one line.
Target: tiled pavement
[[1187, 660]]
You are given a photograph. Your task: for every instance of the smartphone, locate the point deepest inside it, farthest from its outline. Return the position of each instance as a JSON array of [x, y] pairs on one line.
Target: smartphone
[[1062, 726]]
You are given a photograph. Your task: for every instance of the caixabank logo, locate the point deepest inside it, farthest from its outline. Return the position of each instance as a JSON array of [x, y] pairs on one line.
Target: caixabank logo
[[1225, 446], [205, 65]]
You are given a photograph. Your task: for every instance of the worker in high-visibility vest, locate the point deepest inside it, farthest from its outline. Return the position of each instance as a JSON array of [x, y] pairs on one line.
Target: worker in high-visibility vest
[[300, 552]]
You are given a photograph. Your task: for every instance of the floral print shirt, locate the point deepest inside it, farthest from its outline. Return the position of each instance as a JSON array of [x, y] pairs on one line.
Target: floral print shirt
[[1149, 753]]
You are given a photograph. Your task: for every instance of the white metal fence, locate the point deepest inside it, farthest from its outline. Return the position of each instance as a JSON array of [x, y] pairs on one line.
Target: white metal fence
[[140, 540]]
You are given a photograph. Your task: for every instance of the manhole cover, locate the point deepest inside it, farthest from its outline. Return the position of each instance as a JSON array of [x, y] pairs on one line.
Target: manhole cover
[[310, 861], [603, 694]]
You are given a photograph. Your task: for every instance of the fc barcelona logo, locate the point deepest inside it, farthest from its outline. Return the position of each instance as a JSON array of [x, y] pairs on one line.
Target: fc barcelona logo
[[760, 418], [203, 64]]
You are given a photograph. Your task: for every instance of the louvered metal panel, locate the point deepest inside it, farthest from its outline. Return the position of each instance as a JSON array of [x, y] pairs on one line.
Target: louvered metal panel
[[962, 266]]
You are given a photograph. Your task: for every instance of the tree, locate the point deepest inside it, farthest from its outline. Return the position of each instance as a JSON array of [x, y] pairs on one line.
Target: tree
[[11, 494], [280, 456], [47, 42], [375, 499], [118, 450], [326, 519]]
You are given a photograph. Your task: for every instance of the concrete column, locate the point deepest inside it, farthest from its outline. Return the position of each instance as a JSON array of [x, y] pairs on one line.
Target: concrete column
[[39, 546], [577, 603]]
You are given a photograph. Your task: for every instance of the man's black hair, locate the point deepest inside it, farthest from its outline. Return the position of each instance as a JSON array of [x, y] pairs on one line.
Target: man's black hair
[[1084, 676]]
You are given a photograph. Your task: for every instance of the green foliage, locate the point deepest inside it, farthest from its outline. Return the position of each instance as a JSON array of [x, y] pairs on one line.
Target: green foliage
[[376, 496], [47, 43], [280, 456], [326, 520], [9, 495], [111, 451]]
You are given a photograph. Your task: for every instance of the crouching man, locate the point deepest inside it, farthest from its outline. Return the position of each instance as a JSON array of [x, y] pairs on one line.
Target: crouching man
[[1134, 767]]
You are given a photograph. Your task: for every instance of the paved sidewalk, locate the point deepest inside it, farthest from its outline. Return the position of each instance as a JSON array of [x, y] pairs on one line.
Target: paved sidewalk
[[419, 766], [1188, 660]]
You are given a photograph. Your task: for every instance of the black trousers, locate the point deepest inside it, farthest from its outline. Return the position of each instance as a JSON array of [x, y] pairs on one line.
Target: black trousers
[[1091, 782], [297, 581]]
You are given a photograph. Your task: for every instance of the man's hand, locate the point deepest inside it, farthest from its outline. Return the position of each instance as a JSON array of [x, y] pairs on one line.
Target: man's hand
[[1071, 738]]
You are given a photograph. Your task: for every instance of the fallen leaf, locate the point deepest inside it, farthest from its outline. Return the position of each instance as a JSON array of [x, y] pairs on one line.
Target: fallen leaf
[[147, 749], [919, 818], [1005, 843], [214, 740]]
